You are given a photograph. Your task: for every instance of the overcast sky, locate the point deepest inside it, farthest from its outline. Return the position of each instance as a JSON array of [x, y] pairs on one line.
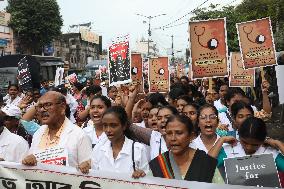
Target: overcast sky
[[115, 17]]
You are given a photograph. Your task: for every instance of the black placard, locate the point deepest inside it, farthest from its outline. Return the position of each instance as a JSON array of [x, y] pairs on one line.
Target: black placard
[[255, 170]]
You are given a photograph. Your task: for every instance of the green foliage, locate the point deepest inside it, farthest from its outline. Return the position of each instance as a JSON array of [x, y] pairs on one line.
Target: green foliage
[[246, 11], [35, 22]]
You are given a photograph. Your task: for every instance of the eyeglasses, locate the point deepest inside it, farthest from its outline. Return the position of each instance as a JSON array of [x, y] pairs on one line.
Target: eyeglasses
[[211, 117], [46, 106]]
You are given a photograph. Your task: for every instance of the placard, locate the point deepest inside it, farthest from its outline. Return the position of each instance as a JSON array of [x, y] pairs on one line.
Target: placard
[[255, 170], [239, 77], [257, 43], [159, 77], [280, 78], [55, 156], [208, 46], [119, 62], [136, 71]]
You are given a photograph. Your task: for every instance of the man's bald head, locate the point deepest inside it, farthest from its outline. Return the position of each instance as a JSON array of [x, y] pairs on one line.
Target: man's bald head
[[58, 97]]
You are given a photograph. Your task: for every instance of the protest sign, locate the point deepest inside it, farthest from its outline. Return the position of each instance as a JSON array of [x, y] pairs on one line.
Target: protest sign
[[208, 48], [136, 71], [24, 76], [239, 77], [119, 62], [255, 170], [103, 72], [56, 156], [159, 76], [13, 175], [180, 70], [257, 43]]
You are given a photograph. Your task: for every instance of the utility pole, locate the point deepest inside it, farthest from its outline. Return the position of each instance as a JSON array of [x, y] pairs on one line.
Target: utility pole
[[173, 53], [149, 28]]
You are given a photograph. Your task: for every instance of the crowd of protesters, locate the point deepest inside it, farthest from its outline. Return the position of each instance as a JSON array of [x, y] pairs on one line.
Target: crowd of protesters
[[183, 134]]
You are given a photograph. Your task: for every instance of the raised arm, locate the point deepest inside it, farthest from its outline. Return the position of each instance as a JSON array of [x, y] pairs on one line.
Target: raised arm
[[143, 135]]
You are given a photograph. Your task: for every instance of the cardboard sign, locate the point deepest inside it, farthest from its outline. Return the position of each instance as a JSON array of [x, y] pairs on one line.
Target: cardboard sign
[[55, 156], [136, 71], [255, 170], [119, 62], [257, 43], [24, 76], [239, 77], [180, 70], [159, 77], [208, 46]]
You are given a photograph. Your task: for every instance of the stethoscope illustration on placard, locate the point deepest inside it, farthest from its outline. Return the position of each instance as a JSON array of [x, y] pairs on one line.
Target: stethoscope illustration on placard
[[240, 65], [211, 44], [259, 38]]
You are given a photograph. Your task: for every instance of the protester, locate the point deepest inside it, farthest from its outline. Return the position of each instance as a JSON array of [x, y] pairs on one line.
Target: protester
[[13, 95], [94, 127], [119, 154], [207, 121], [58, 132], [13, 148], [252, 141], [221, 103], [44, 86], [12, 116], [182, 162], [182, 101]]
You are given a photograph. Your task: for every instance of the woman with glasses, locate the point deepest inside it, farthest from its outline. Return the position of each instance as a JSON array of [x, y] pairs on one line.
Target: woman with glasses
[[207, 121], [181, 161]]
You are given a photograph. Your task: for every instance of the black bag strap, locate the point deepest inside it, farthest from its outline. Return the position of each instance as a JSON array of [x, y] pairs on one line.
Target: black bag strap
[[229, 117], [160, 146], [133, 162]]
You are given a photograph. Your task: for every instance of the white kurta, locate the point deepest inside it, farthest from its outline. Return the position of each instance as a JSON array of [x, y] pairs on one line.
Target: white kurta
[[13, 148], [73, 139], [102, 158]]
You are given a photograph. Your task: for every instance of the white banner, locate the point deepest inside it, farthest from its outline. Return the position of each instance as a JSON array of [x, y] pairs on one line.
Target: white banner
[[17, 176]]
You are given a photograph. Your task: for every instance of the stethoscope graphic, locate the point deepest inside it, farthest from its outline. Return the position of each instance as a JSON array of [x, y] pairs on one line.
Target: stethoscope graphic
[[259, 38], [239, 64], [211, 44]]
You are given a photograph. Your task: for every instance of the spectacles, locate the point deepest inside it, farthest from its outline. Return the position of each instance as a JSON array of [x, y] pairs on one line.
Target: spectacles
[[211, 117], [46, 106]]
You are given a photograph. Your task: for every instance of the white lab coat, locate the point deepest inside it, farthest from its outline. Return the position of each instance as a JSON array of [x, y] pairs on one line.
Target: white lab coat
[[102, 158], [73, 139], [198, 144], [13, 148], [90, 131]]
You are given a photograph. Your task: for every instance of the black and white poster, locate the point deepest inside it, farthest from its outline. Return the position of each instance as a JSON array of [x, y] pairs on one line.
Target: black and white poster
[[255, 170], [119, 62]]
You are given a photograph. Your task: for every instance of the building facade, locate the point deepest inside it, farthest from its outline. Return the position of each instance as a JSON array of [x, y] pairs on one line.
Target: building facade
[[7, 40], [78, 49]]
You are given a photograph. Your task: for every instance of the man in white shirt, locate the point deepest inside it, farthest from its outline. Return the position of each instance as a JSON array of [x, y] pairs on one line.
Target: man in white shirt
[[13, 148], [58, 134]]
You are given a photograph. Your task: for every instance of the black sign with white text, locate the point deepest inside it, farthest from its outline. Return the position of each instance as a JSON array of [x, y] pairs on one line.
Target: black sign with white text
[[255, 170]]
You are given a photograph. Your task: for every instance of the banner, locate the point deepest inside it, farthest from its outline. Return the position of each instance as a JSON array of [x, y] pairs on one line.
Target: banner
[[119, 61], [16, 176], [239, 77], [208, 46], [89, 36], [257, 43], [103, 71], [159, 77], [136, 71], [255, 170]]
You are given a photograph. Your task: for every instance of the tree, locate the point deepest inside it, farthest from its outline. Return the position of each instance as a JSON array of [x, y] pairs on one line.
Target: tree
[[35, 23]]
